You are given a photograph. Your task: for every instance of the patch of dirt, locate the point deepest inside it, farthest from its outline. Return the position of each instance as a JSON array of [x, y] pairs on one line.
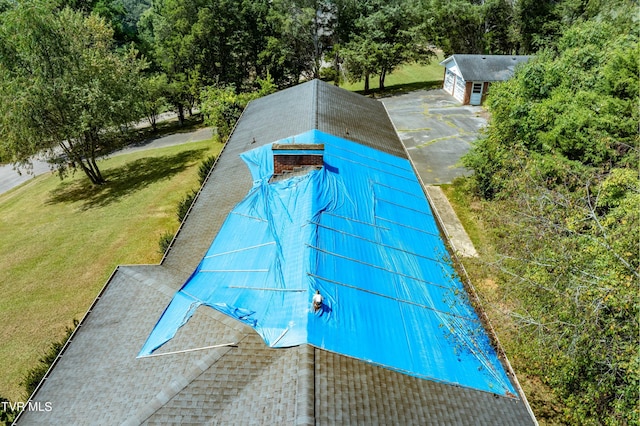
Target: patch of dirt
[[543, 402], [484, 114], [475, 206], [489, 284]]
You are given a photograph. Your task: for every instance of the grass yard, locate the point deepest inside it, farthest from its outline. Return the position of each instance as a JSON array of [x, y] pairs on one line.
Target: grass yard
[[406, 78], [62, 239]]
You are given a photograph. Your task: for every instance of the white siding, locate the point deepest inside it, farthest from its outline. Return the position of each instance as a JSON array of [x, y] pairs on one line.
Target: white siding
[[454, 82], [449, 79], [458, 92]]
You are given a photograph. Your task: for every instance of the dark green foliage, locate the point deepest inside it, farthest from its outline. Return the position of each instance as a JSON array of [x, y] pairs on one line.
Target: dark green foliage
[[386, 35], [222, 106], [205, 168], [329, 74], [219, 40], [466, 26], [559, 164], [291, 50], [459, 26], [539, 24], [164, 242], [185, 205], [7, 415], [34, 376]]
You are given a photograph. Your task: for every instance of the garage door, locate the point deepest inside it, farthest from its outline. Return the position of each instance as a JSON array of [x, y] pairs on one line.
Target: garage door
[[458, 93], [449, 78]]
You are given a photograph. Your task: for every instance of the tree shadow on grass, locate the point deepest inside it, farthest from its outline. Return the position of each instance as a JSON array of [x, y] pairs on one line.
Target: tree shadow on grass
[[123, 180]]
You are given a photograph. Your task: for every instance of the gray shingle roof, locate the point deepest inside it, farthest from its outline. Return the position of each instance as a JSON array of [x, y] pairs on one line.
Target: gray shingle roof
[[99, 380], [322, 106], [486, 67]]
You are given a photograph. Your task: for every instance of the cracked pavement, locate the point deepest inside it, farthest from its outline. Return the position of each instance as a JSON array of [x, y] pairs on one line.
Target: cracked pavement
[[436, 130]]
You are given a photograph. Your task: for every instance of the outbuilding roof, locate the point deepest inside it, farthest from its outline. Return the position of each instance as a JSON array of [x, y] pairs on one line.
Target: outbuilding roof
[[485, 67], [217, 369]]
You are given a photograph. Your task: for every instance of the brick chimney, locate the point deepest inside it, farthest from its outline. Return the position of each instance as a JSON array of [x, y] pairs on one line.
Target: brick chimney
[[287, 157]]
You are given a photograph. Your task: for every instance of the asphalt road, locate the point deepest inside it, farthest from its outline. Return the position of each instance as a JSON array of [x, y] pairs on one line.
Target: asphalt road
[[436, 130], [10, 178]]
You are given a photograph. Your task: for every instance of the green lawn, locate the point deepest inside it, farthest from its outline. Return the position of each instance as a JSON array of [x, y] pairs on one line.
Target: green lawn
[[406, 78], [62, 239]]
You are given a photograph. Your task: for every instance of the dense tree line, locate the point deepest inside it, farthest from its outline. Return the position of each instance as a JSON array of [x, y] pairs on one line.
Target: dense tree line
[[165, 53], [558, 168]]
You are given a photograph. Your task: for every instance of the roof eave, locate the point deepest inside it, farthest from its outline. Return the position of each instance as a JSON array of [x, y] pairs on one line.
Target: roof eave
[[447, 60]]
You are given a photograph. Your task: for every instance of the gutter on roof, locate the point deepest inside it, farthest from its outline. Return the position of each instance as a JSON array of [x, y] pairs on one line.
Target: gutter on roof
[[443, 62]]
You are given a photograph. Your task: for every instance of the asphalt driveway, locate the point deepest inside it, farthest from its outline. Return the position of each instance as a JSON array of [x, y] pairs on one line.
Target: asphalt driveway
[[436, 130]]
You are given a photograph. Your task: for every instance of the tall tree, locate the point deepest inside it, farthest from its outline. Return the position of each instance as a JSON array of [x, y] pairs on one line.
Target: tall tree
[[220, 40], [166, 29], [472, 26], [500, 33], [113, 11], [560, 164], [387, 35], [539, 24], [63, 90], [290, 52], [154, 101], [460, 26]]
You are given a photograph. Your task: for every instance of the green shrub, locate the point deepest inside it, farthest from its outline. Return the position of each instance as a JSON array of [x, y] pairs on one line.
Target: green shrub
[[222, 105], [165, 242], [184, 205], [329, 74], [7, 413], [205, 168]]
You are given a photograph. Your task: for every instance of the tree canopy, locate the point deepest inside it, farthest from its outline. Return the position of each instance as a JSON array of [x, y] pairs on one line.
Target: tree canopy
[[63, 89], [387, 34], [559, 166]]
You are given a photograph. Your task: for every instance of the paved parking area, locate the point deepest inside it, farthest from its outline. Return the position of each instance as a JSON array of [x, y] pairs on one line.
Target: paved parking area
[[436, 130]]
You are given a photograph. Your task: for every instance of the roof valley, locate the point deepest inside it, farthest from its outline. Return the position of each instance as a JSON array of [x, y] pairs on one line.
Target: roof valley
[[305, 387], [176, 386]]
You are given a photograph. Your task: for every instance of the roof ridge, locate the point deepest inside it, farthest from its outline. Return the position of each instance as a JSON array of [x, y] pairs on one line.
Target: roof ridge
[[315, 99], [180, 382]]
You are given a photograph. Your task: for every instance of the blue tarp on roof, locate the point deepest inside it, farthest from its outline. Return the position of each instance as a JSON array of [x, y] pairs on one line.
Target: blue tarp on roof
[[360, 231]]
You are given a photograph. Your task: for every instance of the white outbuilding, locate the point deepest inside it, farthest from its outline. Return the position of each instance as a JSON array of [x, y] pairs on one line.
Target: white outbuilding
[[467, 77]]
